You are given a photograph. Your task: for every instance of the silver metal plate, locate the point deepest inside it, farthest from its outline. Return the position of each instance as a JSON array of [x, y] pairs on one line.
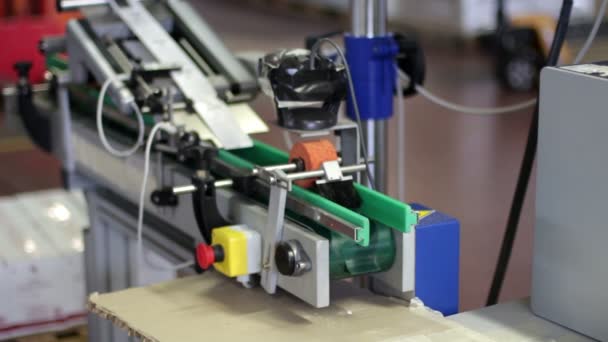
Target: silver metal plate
[[313, 286], [246, 117]]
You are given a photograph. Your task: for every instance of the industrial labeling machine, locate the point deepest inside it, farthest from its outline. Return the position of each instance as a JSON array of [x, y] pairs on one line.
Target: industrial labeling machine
[[153, 73]]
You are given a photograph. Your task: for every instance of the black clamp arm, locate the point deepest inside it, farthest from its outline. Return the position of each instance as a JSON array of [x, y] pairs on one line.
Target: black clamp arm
[[206, 213]]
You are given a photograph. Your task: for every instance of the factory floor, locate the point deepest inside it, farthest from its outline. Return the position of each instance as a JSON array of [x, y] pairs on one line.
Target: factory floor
[[460, 164]]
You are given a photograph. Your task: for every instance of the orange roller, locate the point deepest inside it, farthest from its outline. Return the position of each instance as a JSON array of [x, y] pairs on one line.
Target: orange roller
[[313, 153]]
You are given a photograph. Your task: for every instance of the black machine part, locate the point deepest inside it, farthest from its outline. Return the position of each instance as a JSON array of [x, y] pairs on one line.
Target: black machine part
[[164, 197], [206, 213], [411, 61], [305, 98], [36, 124], [518, 58], [141, 78], [342, 192], [517, 52]]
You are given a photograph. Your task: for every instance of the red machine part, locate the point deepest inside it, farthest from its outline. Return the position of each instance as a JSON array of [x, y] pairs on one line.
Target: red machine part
[[313, 153], [205, 255], [22, 24]]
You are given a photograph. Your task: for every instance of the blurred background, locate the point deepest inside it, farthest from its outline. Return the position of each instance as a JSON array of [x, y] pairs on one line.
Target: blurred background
[[463, 165]]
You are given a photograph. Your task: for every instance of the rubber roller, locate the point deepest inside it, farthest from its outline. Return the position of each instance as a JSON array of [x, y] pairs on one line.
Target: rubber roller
[[313, 153]]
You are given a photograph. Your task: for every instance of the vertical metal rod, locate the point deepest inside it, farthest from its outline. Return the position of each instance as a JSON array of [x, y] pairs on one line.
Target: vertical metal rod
[[63, 128], [368, 132], [379, 14], [381, 155], [401, 148], [358, 17], [368, 17], [375, 135]]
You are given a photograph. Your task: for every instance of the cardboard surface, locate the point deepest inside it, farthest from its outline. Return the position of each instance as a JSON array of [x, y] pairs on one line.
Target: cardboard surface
[[211, 307]]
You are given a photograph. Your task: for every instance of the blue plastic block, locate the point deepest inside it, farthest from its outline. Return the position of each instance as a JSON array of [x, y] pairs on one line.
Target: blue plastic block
[[437, 261], [372, 66]]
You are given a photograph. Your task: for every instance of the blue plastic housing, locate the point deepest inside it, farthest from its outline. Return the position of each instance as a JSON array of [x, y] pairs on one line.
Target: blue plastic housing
[[372, 66]]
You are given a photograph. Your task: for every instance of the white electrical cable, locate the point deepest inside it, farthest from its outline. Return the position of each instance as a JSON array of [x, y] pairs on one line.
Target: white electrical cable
[[165, 126], [102, 135], [465, 109], [401, 128], [473, 110], [596, 26]]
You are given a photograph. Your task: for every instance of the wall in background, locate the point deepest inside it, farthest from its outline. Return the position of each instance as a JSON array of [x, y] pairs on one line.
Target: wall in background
[[465, 18]]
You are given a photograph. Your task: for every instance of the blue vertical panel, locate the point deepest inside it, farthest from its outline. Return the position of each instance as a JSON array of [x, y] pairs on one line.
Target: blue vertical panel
[[437, 261]]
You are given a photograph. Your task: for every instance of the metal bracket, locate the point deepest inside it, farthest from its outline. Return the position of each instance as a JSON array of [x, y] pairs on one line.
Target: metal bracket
[[337, 187], [273, 234], [333, 173], [274, 177]]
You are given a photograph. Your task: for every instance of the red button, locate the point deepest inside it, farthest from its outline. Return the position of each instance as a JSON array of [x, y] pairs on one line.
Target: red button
[[205, 255]]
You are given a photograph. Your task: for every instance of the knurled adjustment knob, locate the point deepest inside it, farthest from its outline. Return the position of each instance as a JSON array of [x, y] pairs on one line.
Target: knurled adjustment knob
[[290, 258], [207, 255]]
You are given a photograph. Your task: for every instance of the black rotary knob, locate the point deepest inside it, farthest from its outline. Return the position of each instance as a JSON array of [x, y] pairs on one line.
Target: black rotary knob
[[290, 258]]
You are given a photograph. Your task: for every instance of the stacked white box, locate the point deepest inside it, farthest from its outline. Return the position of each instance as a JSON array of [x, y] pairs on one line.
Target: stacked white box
[[41, 262]]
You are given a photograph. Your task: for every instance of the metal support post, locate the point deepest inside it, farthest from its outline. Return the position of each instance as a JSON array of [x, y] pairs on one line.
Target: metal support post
[[368, 18], [375, 135]]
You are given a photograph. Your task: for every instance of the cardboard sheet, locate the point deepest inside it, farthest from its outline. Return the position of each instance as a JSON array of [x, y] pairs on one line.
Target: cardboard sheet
[[210, 307]]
